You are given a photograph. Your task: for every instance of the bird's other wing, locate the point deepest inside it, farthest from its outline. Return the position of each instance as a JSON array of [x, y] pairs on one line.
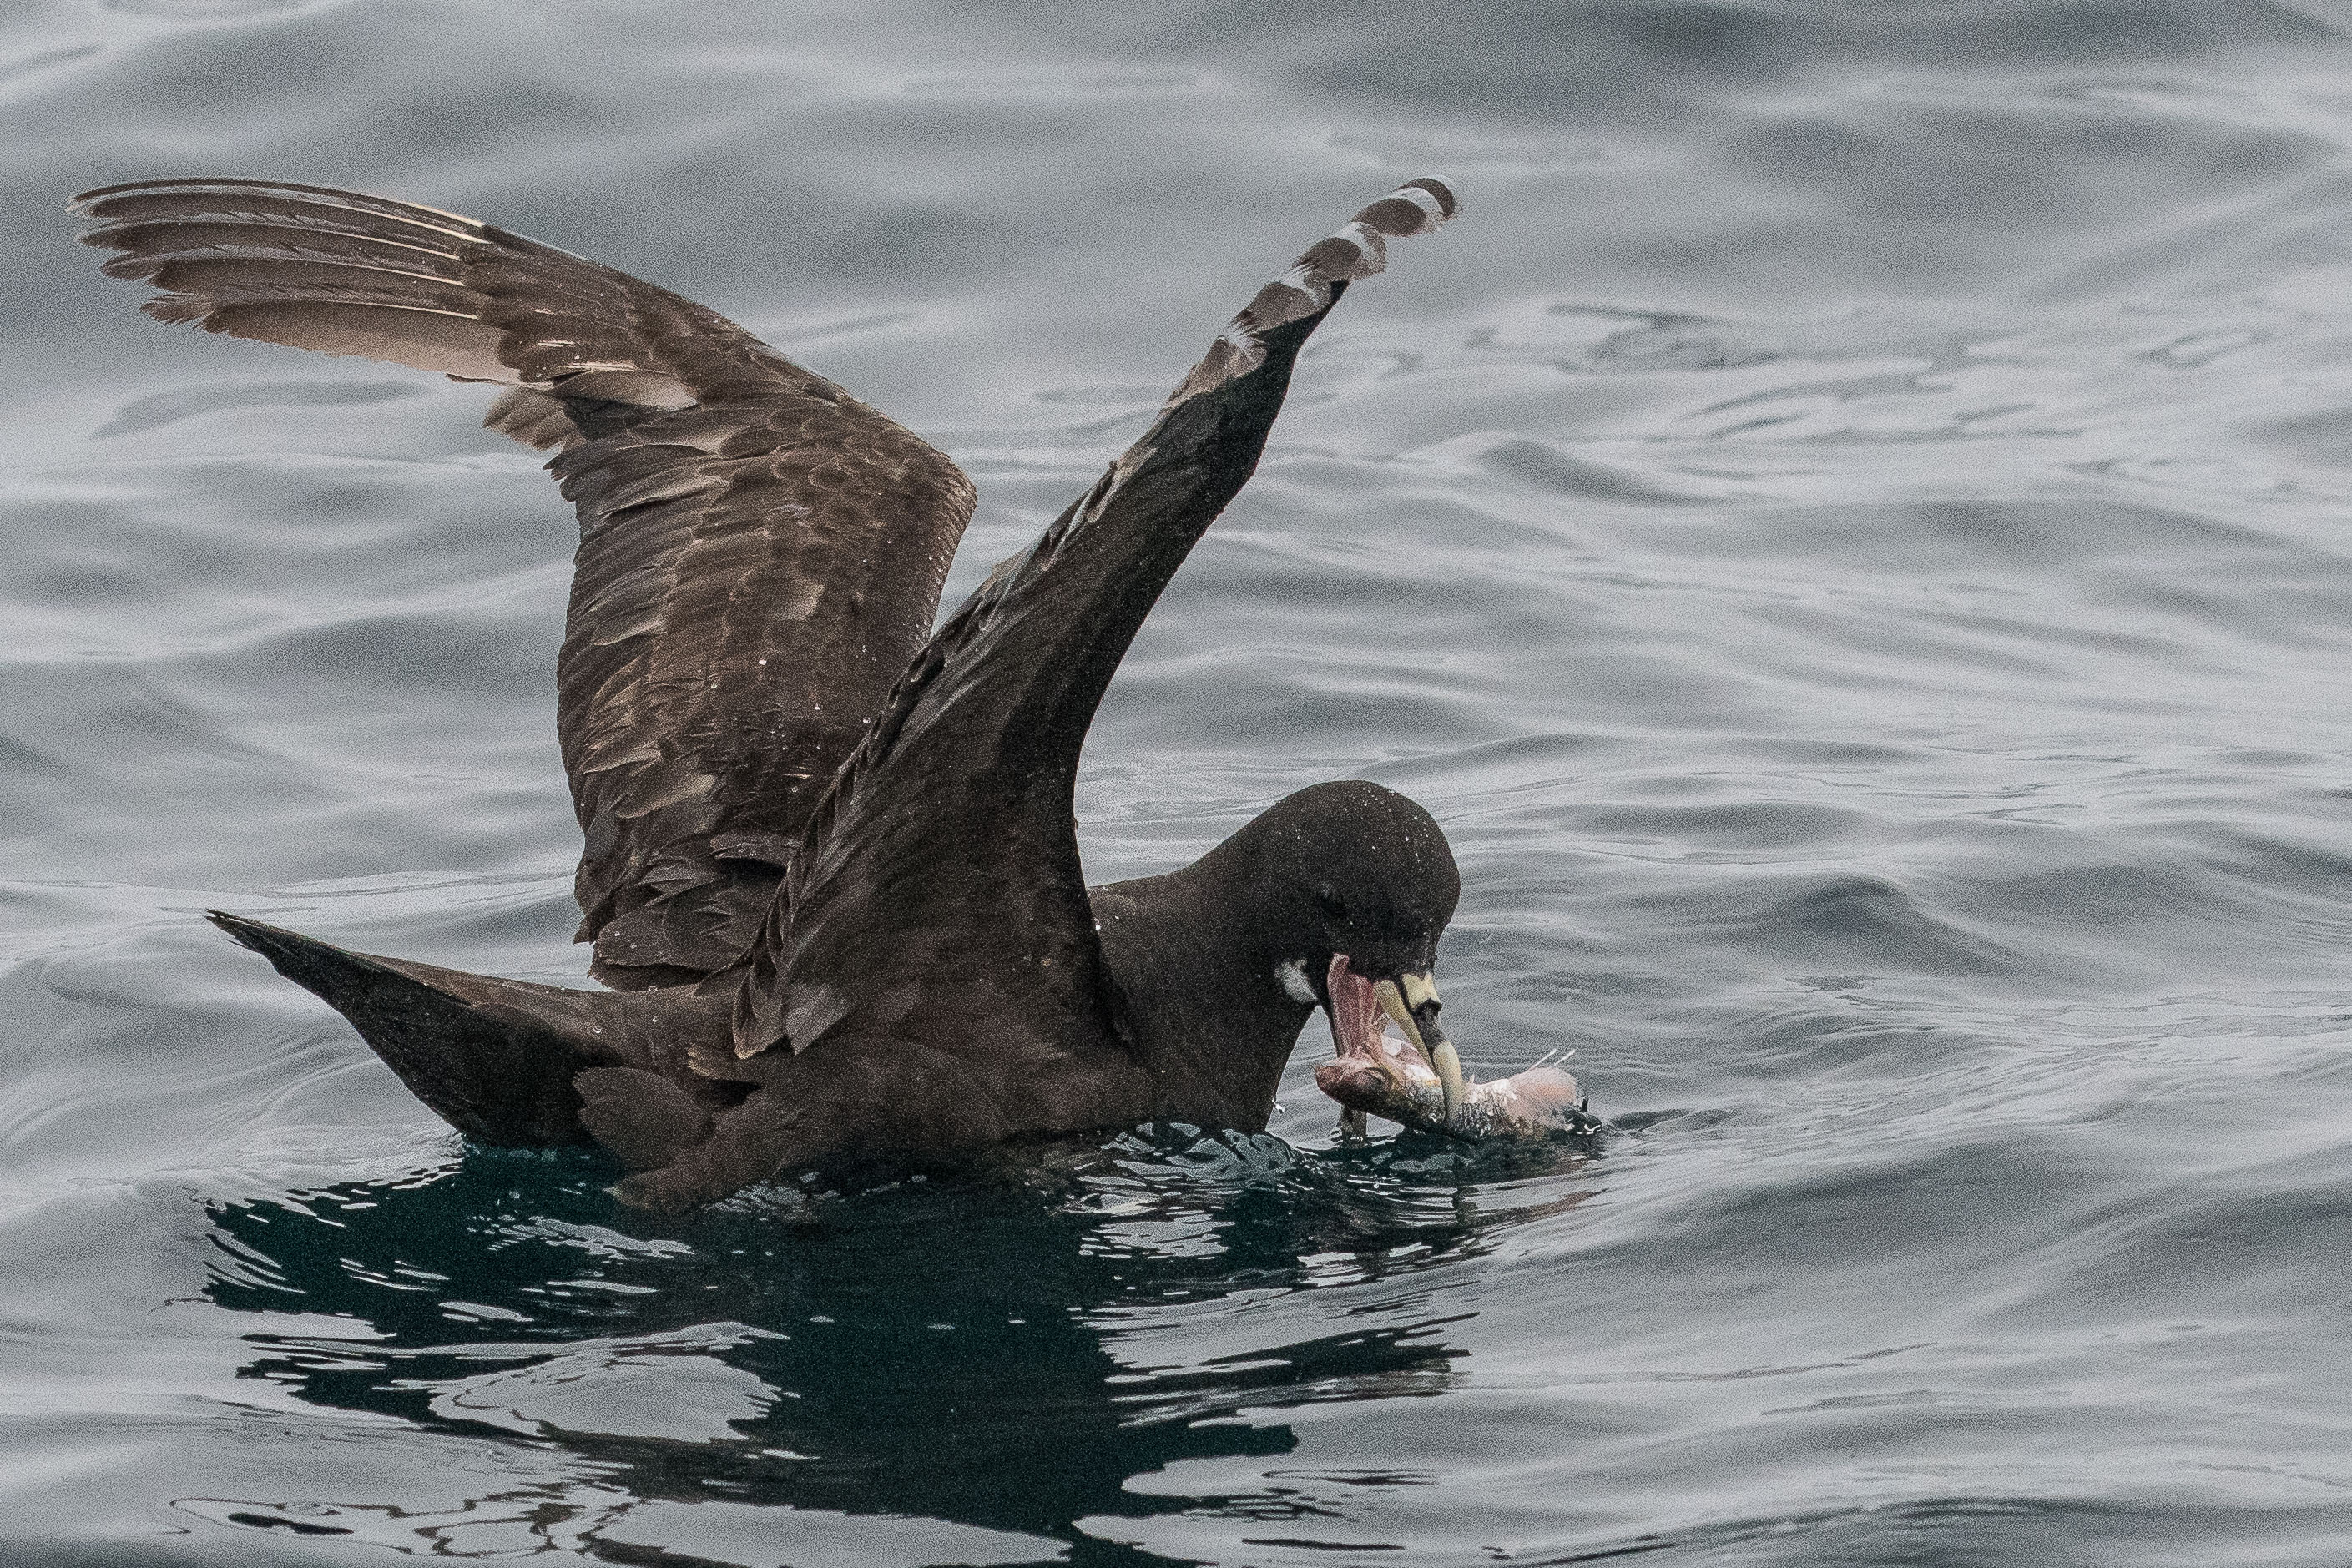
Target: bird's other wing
[[936, 897], [760, 554]]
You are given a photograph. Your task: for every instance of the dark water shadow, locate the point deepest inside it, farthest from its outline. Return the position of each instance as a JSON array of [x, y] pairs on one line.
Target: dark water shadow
[[1002, 1348]]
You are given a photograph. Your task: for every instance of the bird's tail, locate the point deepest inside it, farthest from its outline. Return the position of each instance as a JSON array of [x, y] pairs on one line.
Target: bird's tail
[[494, 1058]]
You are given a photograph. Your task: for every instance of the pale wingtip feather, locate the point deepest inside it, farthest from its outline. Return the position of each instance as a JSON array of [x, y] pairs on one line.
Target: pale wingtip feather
[[87, 204], [1415, 207], [1357, 249]]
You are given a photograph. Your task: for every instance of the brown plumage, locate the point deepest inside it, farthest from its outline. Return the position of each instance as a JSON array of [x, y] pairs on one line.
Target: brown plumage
[[799, 535], [830, 861]]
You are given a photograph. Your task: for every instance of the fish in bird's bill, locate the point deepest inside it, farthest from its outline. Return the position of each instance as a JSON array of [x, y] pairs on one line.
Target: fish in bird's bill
[[1387, 1065]]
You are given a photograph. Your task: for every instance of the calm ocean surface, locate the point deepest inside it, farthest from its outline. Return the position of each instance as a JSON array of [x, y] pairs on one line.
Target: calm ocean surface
[[1852, 534]]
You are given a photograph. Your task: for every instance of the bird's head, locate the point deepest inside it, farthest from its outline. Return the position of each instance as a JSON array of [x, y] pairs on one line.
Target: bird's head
[[1361, 884]]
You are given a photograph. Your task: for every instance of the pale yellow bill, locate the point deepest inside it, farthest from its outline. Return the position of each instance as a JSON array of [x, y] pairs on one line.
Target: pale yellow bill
[[1398, 999]]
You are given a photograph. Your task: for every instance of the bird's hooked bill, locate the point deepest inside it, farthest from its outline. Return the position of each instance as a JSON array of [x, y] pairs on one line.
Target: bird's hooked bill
[[1359, 1005]]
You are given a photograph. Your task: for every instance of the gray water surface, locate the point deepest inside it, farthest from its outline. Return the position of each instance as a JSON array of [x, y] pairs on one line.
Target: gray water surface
[[1852, 535]]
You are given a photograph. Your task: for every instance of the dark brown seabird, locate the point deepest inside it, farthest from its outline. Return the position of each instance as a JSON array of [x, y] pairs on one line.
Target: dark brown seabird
[[831, 871]]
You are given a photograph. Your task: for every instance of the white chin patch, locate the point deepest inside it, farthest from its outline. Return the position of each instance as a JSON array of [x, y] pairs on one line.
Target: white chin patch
[[1292, 973]]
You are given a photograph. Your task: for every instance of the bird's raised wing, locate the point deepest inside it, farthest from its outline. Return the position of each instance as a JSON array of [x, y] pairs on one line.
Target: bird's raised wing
[[936, 897], [760, 554]]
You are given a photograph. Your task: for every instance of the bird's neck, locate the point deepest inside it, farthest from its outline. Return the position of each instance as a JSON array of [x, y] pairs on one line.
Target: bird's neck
[[1205, 1010]]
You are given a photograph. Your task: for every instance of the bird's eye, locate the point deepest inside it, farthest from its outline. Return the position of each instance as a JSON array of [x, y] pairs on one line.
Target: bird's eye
[[1333, 907]]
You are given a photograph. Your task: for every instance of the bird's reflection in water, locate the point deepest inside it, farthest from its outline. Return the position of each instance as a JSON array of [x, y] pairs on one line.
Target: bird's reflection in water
[[1003, 1349]]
